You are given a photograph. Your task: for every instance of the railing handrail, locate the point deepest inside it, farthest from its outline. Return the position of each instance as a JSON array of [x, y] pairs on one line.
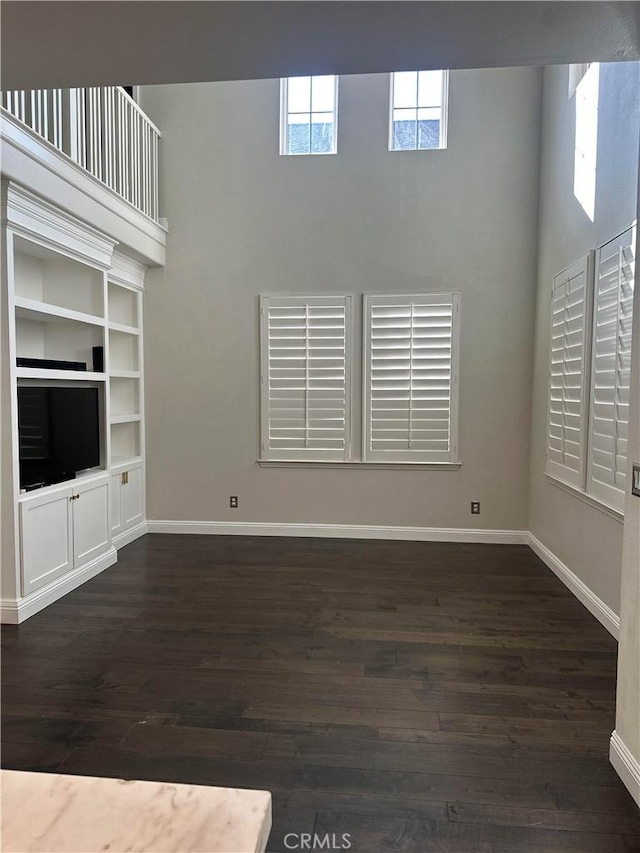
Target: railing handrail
[[101, 129], [139, 109]]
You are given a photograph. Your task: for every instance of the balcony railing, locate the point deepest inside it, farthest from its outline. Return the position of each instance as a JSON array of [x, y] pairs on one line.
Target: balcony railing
[[101, 129]]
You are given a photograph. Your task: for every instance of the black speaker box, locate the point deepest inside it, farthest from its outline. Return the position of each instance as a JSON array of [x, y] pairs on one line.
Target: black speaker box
[[98, 359]]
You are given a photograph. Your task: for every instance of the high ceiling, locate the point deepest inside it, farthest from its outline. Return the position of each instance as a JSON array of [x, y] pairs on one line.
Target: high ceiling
[[52, 43]]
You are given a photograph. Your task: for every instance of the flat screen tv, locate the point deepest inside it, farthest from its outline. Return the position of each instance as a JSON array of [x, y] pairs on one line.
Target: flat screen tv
[[59, 433]]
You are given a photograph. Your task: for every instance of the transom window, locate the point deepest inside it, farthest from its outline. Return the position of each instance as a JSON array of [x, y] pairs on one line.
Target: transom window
[[418, 110], [308, 115]]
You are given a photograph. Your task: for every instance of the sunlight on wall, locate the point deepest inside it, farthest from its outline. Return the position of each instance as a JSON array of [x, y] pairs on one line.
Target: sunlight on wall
[[586, 148]]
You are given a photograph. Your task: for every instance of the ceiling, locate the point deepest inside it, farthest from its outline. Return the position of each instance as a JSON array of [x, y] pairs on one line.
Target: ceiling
[[51, 43]]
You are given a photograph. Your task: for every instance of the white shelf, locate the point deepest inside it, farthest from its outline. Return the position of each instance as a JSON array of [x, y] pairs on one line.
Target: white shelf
[[128, 330], [73, 375], [124, 374], [125, 419], [44, 312]]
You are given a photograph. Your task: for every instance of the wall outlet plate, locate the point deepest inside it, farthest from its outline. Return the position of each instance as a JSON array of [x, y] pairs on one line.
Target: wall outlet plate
[[635, 480], [475, 507], [233, 502]]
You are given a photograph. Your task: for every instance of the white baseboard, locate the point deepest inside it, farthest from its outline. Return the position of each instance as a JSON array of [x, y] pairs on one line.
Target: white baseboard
[[16, 610], [129, 535], [596, 606], [626, 765], [341, 531]]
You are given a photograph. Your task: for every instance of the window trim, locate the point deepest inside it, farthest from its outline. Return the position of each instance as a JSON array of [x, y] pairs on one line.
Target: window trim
[[452, 457], [444, 113], [583, 266], [590, 479], [264, 455], [284, 113], [582, 491]]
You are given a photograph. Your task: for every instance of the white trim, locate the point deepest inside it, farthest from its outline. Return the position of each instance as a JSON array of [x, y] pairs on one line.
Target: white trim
[[15, 610], [342, 531], [355, 465], [444, 111], [303, 454], [284, 115], [129, 535], [126, 271], [603, 613], [31, 217], [411, 456], [583, 268], [626, 765], [595, 503]]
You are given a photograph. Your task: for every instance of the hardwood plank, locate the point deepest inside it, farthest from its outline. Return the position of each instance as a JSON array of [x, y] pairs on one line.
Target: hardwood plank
[[382, 833], [183, 740], [574, 821], [422, 696], [343, 715]]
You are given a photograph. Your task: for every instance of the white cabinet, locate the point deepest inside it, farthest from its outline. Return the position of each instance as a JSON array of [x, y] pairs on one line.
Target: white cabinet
[[90, 521], [127, 499], [132, 509], [47, 539], [116, 505], [62, 530]]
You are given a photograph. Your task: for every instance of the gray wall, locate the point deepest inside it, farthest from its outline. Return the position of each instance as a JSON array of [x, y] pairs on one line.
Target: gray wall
[[628, 695], [588, 541], [245, 221]]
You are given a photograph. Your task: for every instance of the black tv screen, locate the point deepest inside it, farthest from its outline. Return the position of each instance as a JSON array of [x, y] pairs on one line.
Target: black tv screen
[[59, 432]]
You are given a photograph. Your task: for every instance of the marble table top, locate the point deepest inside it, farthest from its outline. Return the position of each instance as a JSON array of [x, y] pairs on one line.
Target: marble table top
[[50, 813]]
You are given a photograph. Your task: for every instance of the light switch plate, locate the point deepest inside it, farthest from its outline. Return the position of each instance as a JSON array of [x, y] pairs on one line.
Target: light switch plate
[[635, 481]]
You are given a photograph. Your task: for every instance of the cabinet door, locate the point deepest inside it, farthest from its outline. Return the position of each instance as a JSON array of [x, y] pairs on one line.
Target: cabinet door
[[91, 536], [47, 539], [132, 511], [116, 504]]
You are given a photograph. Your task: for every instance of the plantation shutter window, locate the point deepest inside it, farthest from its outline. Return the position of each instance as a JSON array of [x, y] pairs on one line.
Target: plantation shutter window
[[611, 369], [568, 378], [305, 381], [410, 378]]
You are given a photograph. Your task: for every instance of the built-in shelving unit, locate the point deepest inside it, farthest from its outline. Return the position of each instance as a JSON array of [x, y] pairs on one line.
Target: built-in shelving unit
[[124, 322], [67, 291]]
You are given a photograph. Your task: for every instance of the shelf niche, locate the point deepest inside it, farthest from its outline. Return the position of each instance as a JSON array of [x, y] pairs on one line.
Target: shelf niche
[[123, 351], [125, 442], [56, 338], [48, 277], [125, 397], [123, 306]]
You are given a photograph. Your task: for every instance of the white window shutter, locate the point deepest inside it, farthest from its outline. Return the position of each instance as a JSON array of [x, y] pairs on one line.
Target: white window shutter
[[611, 371], [568, 377], [410, 378], [305, 381]]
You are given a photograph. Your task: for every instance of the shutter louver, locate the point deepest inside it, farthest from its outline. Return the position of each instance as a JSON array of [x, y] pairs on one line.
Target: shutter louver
[[305, 378], [568, 383], [612, 321], [410, 378]]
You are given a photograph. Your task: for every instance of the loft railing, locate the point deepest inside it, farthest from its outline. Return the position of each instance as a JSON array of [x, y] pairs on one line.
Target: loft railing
[[101, 129]]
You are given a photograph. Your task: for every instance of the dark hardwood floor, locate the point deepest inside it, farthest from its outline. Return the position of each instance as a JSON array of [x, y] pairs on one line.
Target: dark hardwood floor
[[418, 696]]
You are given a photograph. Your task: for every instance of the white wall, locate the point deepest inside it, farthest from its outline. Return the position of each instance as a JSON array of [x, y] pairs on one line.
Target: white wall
[[245, 221], [588, 541]]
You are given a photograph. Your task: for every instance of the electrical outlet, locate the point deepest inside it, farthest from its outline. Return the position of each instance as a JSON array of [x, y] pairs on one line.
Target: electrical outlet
[[475, 507], [233, 502]]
